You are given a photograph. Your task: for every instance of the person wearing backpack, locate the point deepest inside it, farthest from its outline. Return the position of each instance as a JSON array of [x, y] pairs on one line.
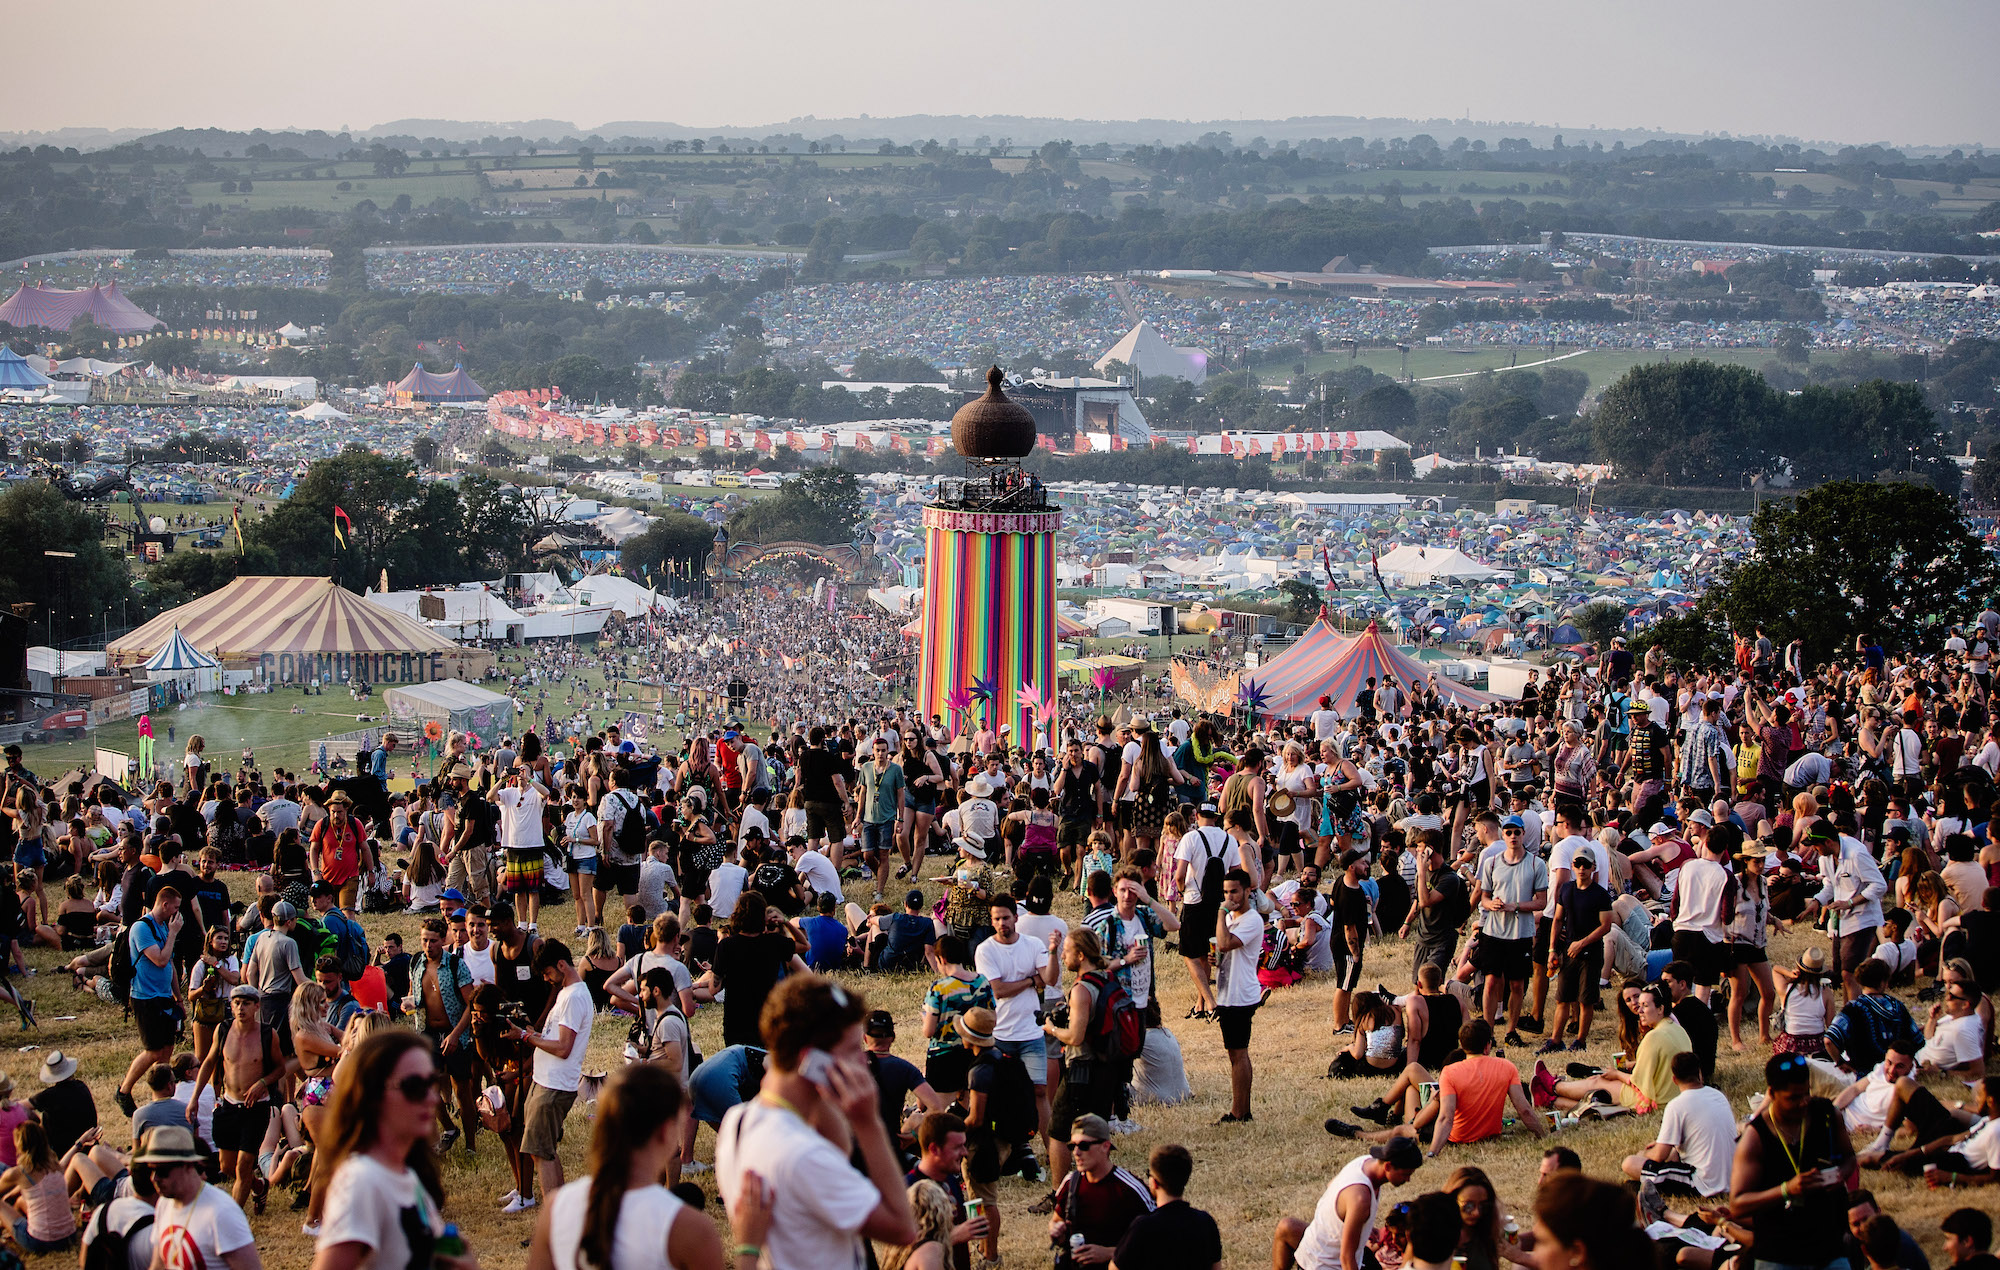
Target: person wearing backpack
[[149, 945], [621, 838], [1205, 853], [343, 938], [1000, 1118], [1101, 1033], [119, 1235]]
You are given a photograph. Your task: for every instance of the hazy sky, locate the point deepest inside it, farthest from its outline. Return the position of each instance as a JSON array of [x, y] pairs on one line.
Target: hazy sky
[[1844, 70]]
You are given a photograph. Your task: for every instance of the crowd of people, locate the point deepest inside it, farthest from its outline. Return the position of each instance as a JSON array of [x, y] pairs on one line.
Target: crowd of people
[[794, 866]]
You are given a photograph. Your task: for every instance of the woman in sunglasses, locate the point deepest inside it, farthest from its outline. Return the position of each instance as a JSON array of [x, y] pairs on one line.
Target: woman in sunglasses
[[384, 1200]]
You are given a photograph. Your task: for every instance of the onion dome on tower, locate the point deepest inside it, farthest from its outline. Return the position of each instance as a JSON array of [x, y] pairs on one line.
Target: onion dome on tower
[[992, 426]]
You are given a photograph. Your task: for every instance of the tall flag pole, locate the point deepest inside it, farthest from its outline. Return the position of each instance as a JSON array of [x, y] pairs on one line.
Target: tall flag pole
[[340, 519]]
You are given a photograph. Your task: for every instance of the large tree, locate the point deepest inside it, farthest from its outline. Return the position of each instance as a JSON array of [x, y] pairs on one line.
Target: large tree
[[62, 596], [1687, 423], [1893, 560], [822, 506]]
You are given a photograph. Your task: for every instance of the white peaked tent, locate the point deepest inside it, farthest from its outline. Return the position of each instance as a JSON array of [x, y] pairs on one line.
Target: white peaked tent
[[292, 331], [1145, 351], [1424, 565], [320, 410], [177, 659]]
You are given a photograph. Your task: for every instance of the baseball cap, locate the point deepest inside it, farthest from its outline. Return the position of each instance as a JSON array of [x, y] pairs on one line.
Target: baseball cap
[[1513, 822], [913, 896], [1399, 1153], [1701, 818], [452, 893], [879, 1023], [1090, 1128]]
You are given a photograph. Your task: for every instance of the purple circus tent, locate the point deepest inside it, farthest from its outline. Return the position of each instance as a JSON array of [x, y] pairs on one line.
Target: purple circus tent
[[424, 386], [1326, 663], [55, 310]]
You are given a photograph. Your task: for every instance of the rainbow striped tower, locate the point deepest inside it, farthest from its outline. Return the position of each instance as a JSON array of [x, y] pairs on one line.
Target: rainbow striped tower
[[989, 633], [989, 613]]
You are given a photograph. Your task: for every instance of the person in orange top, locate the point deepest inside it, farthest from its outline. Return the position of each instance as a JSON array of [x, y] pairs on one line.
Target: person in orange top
[[1472, 1100]]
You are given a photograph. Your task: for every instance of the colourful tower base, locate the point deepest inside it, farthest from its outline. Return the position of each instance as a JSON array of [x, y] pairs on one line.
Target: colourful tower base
[[989, 614]]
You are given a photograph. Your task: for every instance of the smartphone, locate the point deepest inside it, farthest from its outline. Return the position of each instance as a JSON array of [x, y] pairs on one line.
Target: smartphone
[[816, 1065]]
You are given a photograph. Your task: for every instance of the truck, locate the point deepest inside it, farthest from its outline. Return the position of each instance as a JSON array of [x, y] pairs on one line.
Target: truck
[[64, 725]]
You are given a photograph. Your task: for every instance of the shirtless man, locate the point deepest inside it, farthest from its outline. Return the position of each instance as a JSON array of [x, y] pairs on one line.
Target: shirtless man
[[439, 982], [253, 1069]]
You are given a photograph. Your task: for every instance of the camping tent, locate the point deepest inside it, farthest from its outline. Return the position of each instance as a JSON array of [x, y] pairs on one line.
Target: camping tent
[[16, 373], [459, 706], [320, 410], [292, 630], [424, 386], [57, 310], [1325, 663]]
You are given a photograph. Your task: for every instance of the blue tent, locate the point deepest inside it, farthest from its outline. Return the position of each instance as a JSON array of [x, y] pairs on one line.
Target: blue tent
[[16, 373]]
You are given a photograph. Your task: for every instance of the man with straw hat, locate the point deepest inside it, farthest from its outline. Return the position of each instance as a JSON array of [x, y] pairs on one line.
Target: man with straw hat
[[195, 1224], [66, 1106], [340, 850]]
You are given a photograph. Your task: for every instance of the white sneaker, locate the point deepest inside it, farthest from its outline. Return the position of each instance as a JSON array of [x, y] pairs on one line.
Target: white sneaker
[[521, 1205], [511, 1197], [693, 1166], [309, 1229], [1125, 1126]]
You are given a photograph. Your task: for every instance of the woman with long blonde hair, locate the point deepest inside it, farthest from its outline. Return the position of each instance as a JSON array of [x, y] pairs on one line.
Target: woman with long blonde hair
[[932, 1248]]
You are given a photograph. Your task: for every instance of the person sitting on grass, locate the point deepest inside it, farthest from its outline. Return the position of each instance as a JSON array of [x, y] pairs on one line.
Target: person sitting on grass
[[1650, 1084], [1473, 1094]]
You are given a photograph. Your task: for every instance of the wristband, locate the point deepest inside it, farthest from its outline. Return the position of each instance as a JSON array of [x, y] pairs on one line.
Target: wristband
[[746, 1250]]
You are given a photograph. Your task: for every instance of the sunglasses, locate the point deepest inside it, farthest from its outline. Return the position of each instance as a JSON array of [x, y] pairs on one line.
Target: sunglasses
[[417, 1088]]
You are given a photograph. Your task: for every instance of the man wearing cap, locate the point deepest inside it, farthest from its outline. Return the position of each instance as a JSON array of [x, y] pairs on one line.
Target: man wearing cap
[[1346, 1213], [252, 1068], [1649, 756], [196, 1226], [897, 1080], [1510, 891], [1096, 1200], [910, 936], [340, 851], [1851, 888]]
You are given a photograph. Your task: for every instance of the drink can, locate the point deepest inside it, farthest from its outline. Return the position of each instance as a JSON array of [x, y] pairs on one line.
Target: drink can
[[1930, 1168], [975, 1208]]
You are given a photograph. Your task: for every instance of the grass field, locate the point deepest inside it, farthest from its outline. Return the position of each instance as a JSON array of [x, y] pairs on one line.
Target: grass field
[[1604, 366]]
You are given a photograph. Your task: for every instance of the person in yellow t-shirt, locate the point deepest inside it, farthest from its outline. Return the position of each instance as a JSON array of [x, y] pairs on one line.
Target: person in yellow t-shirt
[[1648, 1087]]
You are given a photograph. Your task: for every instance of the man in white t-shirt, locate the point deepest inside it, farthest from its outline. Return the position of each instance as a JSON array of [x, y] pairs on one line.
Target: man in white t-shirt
[[1239, 942], [1697, 1141], [815, 870], [726, 881], [521, 801], [559, 1048], [1957, 1041], [1018, 970], [195, 1226], [1325, 721], [822, 1207]]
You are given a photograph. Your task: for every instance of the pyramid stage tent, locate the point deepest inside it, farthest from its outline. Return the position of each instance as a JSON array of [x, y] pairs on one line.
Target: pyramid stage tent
[[1148, 353], [56, 310], [293, 630], [424, 386], [1326, 663]]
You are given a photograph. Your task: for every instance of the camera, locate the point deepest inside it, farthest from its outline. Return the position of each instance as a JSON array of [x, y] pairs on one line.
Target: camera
[[512, 1014], [1060, 1016]]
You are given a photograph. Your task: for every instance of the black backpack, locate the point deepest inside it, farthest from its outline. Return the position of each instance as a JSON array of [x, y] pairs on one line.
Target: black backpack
[[1456, 904], [1212, 868], [125, 963], [1010, 1104], [109, 1249], [631, 835]]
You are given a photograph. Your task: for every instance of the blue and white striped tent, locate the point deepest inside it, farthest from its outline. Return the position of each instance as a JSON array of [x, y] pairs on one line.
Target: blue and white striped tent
[[179, 655]]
